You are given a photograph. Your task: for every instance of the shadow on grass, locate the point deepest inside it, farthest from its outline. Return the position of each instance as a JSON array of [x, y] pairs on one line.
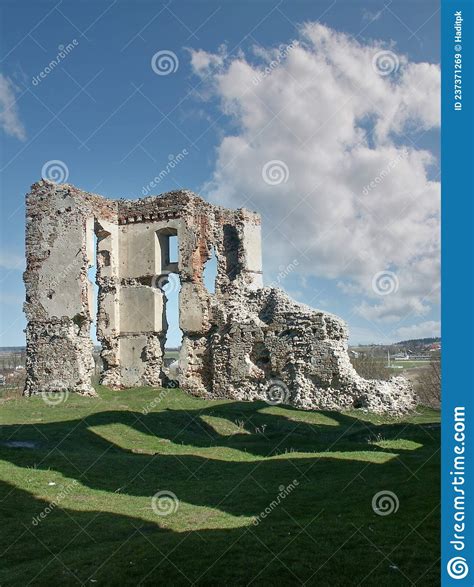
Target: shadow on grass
[[323, 532]]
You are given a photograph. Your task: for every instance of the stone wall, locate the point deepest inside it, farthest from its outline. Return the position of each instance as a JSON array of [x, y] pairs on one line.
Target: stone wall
[[243, 341]]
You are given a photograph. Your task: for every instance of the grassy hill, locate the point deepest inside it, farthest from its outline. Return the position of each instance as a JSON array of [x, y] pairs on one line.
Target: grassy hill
[[78, 481]]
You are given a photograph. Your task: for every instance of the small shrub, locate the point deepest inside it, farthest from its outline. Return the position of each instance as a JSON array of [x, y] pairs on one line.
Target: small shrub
[[14, 385]]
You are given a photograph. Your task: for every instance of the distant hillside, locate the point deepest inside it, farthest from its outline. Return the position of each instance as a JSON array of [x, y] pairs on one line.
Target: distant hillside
[[420, 347], [418, 341], [12, 349]]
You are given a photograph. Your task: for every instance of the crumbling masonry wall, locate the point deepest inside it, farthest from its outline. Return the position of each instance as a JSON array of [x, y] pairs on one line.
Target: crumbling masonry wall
[[244, 341]]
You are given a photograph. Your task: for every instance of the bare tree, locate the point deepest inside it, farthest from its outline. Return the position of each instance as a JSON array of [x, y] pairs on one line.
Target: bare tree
[[371, 367], [428, 384]]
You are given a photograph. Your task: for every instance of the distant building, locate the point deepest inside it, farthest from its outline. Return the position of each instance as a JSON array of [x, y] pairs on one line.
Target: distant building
[[401, 357]]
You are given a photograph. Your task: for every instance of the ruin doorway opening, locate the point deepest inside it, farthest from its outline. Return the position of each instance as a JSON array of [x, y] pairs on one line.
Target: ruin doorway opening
[[173, 334], [170, 286]]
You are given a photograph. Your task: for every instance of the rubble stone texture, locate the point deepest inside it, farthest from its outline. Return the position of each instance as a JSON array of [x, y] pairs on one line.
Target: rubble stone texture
[[243, 342]]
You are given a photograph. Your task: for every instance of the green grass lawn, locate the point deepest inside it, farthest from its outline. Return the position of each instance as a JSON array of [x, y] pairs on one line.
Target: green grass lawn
[[78, 480]]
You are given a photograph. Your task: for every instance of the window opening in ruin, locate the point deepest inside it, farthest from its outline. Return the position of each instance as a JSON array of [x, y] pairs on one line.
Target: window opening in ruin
[[91, 274], [167, 250], [210, 272], [173, 248], [94, 293]]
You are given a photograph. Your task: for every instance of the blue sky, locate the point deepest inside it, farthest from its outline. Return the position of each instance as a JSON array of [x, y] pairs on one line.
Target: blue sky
[[115, 124]]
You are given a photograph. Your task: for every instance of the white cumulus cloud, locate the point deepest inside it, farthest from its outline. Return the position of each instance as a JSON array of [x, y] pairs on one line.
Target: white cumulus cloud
[[428, 329], [9, 117], [357, 195]]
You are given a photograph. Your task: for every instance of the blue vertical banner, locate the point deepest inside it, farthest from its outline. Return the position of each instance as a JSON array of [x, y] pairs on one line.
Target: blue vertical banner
[[457, 62]]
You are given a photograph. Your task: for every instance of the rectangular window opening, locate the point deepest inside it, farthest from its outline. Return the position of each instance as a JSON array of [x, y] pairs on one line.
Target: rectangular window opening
[[172, 248]]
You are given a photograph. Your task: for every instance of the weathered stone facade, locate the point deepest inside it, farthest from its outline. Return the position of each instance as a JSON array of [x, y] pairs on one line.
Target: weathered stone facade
[[244, 341]]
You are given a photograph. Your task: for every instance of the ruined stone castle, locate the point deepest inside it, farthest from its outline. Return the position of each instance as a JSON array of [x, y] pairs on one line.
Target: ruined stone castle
[[243, 341]]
